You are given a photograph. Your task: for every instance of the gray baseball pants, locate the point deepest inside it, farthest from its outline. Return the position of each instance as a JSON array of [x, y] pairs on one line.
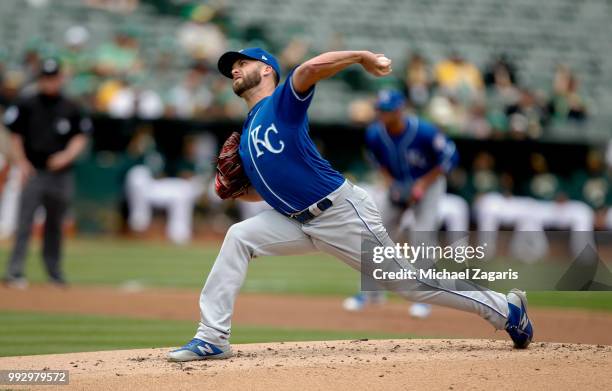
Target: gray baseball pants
[[337, 231]]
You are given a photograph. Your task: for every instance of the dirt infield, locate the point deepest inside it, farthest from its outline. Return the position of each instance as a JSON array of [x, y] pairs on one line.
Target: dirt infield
[[442, 364], [303, 312], [342, 365]]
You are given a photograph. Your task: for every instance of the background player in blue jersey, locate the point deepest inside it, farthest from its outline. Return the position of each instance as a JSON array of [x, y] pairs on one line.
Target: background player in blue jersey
[[315, 207], [414, 158]]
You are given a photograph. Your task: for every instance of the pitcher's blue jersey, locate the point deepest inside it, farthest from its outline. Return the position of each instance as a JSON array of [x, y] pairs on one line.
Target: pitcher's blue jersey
[[415, 152], [278, 155]]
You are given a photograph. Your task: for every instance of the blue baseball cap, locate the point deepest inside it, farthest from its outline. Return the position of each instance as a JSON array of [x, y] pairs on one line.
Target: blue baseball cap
[[228, 59], [390, 100]]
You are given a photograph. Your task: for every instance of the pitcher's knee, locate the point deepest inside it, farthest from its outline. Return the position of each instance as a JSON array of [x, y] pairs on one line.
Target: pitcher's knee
[[239, 238], [238, 232]]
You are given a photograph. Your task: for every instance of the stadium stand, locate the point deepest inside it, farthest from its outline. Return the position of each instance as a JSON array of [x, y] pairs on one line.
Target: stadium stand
[[555, 51], [537, 37]]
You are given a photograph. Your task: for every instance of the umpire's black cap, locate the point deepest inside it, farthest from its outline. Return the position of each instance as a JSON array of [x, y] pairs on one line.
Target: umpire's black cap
[[50, 67]]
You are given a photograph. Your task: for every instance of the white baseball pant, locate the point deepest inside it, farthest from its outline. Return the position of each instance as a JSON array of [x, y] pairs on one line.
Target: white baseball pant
[[530, 217], [9, 203], [337, 231], [176, 195]]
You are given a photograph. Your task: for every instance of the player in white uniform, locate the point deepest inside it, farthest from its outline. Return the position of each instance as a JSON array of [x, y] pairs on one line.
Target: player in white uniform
[[10, 186], [315, 207], [178, 196]]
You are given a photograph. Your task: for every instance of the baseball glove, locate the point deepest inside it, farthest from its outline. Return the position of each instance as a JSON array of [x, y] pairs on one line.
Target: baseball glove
[[230, 180], [400, 194]]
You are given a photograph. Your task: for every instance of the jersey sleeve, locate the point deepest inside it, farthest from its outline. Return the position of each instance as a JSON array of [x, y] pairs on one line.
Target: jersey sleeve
[[443, 148], [377, 154], [15, 118], [290, 105], [371, 143]]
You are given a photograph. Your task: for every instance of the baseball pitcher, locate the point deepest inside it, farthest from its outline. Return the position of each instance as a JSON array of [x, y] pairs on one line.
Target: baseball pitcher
[[314, 207]]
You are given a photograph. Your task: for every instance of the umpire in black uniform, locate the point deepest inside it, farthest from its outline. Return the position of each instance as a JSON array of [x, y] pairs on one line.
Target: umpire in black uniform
[[48, 134]]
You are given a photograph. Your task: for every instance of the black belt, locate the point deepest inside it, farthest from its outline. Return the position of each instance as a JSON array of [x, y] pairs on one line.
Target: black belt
[[306, 215]]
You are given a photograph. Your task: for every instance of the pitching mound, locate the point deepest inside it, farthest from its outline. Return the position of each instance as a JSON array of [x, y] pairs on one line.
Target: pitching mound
[[342, 365]]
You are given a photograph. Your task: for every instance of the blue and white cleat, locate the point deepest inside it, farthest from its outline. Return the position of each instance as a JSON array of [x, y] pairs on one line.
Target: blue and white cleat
[[198, 349], [518, 324], [420, 310], [361, 299], [354, 303]]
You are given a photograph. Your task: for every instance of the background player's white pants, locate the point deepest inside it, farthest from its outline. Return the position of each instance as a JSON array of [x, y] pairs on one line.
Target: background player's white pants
[[453, 213], [532, 216], [576, 216], [9, 203], [338, 231], [494, 210], [176, 195]]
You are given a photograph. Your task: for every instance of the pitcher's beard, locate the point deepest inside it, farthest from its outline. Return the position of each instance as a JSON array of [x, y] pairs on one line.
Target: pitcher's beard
[[246, 83]]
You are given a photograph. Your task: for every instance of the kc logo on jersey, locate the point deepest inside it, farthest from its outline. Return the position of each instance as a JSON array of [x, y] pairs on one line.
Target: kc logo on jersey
[[265, 142], [415, 158]]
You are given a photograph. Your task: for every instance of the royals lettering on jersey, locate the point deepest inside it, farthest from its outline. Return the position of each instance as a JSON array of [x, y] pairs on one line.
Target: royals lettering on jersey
[[278, 155], [409, 156]]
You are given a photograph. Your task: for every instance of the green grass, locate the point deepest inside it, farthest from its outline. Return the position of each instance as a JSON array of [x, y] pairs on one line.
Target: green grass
[[109, 261], [586, 300], [36, 333], [114, 262]]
